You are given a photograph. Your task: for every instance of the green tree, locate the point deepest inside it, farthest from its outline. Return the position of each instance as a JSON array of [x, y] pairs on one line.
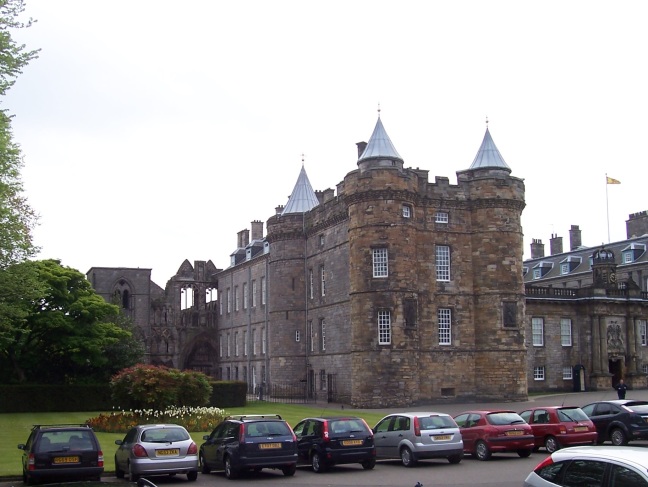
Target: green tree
[[17, 218], [65, 333]]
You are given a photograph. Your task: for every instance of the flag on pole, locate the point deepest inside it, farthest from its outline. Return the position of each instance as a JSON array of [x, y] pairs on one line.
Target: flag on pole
[[611, 180]]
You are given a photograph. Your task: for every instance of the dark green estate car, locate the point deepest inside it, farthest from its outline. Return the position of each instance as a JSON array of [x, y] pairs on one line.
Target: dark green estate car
[[58, 452]]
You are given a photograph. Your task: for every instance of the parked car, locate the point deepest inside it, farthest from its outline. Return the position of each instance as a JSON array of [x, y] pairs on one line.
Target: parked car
[[418, 435], [620, 420], [488, 432], [604, 466], [63, 451], [250, 442], [156, 449], [326, 441], [555, 427]]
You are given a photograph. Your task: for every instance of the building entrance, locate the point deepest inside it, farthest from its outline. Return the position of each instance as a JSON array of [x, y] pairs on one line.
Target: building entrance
[[616, 369]]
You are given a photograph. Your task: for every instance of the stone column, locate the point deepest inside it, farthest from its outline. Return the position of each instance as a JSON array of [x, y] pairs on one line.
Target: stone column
[[631, 347], [596, 346], [605, 361]]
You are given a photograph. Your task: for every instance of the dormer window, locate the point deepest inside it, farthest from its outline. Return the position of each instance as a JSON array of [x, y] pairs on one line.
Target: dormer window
[[569, 264], [441, 217], [632, 252], [407, 211], [525, 270], [541, 269], [248, 254], [232, 260], [266, 247]]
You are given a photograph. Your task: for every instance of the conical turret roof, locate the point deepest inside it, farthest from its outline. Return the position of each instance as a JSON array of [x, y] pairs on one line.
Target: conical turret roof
[[488, 155], [303, 197], [380, 145]]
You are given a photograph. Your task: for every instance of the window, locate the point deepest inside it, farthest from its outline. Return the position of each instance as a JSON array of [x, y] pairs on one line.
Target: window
[[236, 343], [245, 295], [441, 217], [310, 283], [263, 291], [566, 332], [443, 263], [254, 294], [321, 240], [537, 326], [254, 342], [220, 346], [323, 379], [323, 280], [537, 273], [384, 328], [228, 345], [245, 343], [323, 333], [564, 268], [642, 332], [263, 340], [229, 300], [312, 335], [445, 326], [220, 304], [539, 373], [567, 373], [509, 314], [297, 335], [237, 302], [644, 368], [380, 258], [407, 211]]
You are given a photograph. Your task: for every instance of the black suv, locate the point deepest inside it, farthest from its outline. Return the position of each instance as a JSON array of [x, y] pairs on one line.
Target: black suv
[[250, 442], [324, 442], [619, 421], [61, 451]]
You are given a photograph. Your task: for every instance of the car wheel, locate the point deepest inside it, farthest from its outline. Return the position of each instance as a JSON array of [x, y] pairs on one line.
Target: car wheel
[[454, 459], [368, 464], [482, 452], [132, 475], [551, 444], [203, 466], [318, 463], [191, 476], [230, 472], [289, 471], [119, 473], [407, 457], [618, 437], [524, 453]]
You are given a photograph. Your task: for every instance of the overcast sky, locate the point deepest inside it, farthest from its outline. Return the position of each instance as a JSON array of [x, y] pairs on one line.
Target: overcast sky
[[153, 130]]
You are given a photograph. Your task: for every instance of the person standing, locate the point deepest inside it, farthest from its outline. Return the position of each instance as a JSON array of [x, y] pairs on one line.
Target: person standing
[[621, 389]]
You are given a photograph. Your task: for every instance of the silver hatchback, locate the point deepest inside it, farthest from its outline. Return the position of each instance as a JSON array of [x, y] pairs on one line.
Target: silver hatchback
[[418, 435], [156, 449]]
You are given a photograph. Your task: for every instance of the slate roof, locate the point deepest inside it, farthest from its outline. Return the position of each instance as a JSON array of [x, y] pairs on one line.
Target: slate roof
[[380, 145], [303, 197], [488, 155]]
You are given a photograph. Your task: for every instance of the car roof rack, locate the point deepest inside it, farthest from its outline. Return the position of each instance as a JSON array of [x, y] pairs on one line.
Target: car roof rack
[[244, 417], [61, 425]]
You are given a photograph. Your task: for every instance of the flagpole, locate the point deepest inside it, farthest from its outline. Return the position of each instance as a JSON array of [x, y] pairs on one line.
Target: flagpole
[[607, 206]]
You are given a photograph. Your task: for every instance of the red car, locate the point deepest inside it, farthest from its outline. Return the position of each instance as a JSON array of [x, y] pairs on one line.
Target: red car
[[487, 432], [558, 426]]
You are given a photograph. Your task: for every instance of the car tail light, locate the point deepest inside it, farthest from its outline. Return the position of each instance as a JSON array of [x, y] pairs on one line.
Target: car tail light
[[139, 451], [325, 431], [242, 433], [193, 449], [100, 459], [31, 462], [544, 463], [417, 427], [563, 430]]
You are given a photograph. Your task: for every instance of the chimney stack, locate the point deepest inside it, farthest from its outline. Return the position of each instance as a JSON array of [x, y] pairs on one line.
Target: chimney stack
[[361, 148], [257, 229], [556, 244], [537, 248], [575, 238], [243, 238]]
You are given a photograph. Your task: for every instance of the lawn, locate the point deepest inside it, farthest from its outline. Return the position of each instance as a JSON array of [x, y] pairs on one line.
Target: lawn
[[15, 428]]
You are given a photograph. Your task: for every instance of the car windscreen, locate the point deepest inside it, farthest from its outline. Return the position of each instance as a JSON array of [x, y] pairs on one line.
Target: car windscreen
[[638, 407], [65, 440], [164, 435], [500, 419], [267, 428], [572, 415], [436, 422], [345, 427]]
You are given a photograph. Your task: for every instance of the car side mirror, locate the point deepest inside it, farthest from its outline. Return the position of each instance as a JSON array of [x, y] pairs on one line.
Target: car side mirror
[[206, 437], [118, 442], [21, 447]]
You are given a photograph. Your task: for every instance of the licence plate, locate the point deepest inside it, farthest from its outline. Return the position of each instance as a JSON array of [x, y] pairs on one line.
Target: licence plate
[[166, 453], [351, 442], [442, 437], [60, 460], [515, 433], [269, 446], [580, 428]]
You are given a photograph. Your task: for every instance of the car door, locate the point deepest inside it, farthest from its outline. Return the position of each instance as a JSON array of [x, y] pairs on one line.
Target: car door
[[384, 438], [603, 416], [211, 446], [541, 424], [304, 431], [469, 429], [122, 454]]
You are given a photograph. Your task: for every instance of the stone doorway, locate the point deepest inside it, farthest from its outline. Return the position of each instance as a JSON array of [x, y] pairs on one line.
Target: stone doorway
[[616, 369]]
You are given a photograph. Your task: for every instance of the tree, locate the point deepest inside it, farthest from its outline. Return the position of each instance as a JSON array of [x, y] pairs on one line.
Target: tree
[[63, 334], [17, 218]]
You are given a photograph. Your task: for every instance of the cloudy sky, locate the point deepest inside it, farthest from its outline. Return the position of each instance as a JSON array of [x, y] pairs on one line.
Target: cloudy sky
[[154, 130]]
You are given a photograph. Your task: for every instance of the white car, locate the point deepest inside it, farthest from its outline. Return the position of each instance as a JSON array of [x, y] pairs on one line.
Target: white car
[[418, 435], [605, 466]]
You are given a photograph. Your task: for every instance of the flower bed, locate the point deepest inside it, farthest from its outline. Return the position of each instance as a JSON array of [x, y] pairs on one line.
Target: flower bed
[[192, 418]]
